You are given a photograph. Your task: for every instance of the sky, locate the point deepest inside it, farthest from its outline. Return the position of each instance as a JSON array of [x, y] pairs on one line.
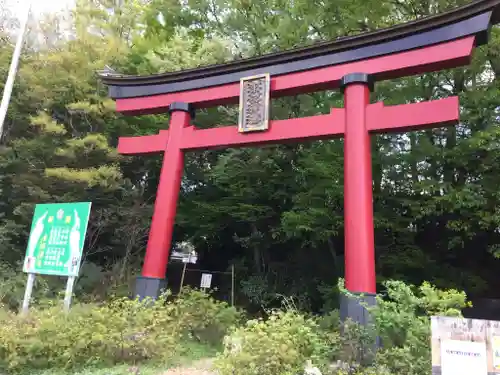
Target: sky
[[38, 6]]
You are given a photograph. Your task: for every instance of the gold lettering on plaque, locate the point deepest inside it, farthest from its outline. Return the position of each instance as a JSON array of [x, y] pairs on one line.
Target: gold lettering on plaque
[[254, 103]]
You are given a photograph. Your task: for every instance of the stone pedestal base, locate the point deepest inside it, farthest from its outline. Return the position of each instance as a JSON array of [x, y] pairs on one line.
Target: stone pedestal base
[[149, 287], [352, 307]]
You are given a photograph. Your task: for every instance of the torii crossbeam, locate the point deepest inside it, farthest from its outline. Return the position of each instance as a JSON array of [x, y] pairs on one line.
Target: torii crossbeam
[[352, 64]]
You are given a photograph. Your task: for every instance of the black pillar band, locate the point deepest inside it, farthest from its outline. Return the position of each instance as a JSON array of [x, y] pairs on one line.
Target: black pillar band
[[181, 106], [363, 78]]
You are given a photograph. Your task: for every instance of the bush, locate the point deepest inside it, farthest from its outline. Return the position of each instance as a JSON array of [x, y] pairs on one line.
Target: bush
[[279, 345], [203, 318], [402, 322], [12, 285], [126, 331], [286, 340], [120, 331]]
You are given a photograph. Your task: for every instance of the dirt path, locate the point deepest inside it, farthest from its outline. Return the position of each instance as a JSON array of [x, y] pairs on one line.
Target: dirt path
[[202, 367]]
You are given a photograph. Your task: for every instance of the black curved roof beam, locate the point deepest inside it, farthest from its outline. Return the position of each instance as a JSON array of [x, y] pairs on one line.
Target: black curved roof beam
[[470, 21]]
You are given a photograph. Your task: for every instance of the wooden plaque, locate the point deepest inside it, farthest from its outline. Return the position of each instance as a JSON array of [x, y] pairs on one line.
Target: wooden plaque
[[254, 103]]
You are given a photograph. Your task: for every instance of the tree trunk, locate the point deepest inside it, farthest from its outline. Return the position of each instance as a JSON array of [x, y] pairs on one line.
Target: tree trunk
[[331, 248], [257, 256]]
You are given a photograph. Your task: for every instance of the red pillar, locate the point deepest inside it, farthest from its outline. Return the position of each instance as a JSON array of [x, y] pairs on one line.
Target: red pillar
[[358, 195], [162, 224]]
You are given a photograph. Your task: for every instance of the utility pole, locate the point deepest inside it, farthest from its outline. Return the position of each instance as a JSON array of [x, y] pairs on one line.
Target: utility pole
[[9, 84]]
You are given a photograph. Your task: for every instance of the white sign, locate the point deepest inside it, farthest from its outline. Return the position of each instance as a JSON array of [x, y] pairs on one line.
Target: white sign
[[495, 349], [190, 258], [206, 280], [463, 358]]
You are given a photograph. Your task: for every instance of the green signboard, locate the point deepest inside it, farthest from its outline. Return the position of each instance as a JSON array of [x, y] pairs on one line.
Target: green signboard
[[56, 239]]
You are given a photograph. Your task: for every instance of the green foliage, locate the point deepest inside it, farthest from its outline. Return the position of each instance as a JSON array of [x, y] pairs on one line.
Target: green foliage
[[403, 324], [116, 332], [120, 331], [401, 320], [330, 295], [256, 289], [281, 344], [12, 286], [286, 340], [204, 319]]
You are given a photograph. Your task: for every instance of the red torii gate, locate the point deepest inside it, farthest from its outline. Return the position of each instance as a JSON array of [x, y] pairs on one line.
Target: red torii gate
[[353, 64], [183, 137]]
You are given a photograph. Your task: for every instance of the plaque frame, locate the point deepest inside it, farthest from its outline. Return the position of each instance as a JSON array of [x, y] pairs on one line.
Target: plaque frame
[[264, 125]]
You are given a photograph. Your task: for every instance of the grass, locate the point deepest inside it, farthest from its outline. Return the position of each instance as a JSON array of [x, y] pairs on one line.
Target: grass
[[189, 353]]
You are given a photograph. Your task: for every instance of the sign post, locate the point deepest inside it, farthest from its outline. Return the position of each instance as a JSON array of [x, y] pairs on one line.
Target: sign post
[[68, 293], [192, 258], [55, 244], [27, 293]]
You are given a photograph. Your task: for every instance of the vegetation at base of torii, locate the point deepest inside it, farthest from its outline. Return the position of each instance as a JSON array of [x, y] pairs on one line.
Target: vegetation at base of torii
[[165, 333], [276, 213]]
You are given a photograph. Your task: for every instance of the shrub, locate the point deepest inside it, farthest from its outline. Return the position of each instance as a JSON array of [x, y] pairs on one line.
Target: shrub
[[120, 331], [330, 321], [286, 340], [203, 318], [12, 285], [402, 323], [280, 344]]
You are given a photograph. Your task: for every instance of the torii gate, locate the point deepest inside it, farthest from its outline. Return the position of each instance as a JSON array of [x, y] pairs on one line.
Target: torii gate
[[352, 64]]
